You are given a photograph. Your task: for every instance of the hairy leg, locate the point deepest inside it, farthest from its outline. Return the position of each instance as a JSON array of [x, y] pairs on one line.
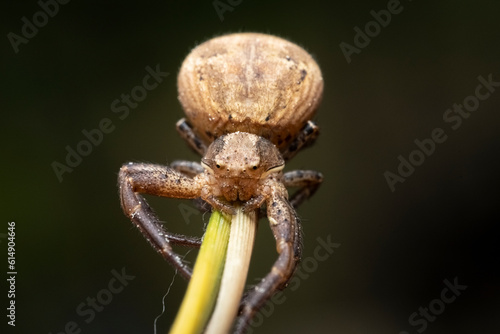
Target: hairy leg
[[137, 178], [308, 181], [189, 168], [186, 132], [306, 137], [287, 232]]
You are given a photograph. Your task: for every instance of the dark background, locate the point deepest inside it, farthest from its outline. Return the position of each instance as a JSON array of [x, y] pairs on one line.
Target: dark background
[[396, 248]]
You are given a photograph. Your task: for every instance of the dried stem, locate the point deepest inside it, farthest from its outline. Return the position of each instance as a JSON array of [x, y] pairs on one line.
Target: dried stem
[[243, 227]]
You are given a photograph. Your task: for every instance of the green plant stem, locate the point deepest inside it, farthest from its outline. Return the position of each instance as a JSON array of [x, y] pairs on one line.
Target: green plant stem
[[204, 284]]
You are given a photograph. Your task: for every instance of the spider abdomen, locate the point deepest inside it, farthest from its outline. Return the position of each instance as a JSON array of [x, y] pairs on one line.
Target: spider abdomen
[[249, 82]]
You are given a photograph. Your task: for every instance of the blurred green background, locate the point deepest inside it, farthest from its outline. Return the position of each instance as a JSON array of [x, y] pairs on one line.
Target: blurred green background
[[396, 248]]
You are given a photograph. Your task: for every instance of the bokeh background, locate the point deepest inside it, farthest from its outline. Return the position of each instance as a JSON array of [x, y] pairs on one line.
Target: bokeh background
[[396, 248]]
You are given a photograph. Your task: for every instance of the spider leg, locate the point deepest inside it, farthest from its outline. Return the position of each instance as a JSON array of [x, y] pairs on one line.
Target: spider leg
[[254, 203], [221, 205], [137, 178], [308, 181], [287, 232], [186, 131], [189, 168], [306, 137]]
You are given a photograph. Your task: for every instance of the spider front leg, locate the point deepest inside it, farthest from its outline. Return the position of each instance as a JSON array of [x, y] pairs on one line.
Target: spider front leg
[[287, 232], [308, 181], [191, 169], [158, 180]]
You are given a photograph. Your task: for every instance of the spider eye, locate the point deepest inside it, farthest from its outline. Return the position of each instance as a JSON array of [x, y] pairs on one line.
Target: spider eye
[[218, 166], [254, 167]]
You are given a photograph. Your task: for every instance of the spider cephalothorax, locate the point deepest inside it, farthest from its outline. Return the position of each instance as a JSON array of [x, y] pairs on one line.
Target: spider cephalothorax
[[240, 167]]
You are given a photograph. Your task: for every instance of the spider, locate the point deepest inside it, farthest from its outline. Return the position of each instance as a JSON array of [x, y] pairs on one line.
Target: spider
[[237, 166]]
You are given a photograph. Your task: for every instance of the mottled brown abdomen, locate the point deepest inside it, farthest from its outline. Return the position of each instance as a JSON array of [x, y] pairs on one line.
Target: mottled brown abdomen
[[249, 82]]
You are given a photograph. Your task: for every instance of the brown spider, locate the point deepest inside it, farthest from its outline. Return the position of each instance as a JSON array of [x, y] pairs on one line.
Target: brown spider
[[238, 166]]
